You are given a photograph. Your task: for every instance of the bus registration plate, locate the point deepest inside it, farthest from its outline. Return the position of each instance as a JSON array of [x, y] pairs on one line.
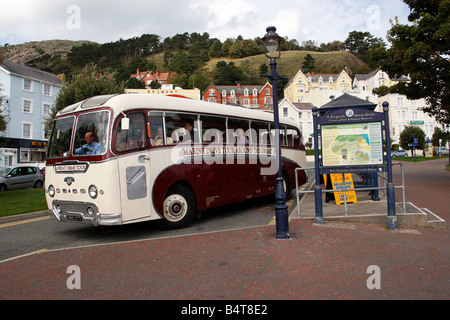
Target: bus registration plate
[[74, 218]]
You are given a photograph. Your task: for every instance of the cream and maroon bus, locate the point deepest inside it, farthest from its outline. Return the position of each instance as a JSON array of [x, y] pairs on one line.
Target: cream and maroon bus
[[118, 159]]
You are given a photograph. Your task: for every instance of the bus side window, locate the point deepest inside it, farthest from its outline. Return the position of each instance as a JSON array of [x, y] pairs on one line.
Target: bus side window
[[262, 133], [157, 130], [238, 132], [133, 138], [182, 127], [213, 129], [293, 137], [282, 135]]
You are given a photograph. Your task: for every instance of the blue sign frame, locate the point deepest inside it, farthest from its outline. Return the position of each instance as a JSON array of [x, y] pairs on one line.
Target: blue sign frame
[[345, 116], [348, 115]]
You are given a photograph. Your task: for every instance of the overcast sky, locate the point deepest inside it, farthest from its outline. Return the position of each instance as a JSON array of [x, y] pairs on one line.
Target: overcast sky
[[107, 21]]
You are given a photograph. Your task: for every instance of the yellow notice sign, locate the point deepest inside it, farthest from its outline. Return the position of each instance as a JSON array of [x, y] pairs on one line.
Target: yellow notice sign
[[338, 184]]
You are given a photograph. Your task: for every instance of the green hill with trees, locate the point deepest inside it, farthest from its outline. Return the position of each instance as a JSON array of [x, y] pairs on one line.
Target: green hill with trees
[[192, 59]]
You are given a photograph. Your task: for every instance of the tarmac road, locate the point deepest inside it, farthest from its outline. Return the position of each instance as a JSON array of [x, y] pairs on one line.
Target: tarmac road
[[332, 261]]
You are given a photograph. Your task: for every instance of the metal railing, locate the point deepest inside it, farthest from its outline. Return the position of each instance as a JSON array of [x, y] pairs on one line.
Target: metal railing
[[382, 176]]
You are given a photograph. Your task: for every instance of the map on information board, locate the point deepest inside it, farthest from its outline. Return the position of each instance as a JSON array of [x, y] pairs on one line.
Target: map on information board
[[352, 144]]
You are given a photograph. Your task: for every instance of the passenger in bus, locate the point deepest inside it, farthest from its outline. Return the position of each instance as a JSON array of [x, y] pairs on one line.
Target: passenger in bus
[[91, 146], [189, 125], [240, 138], [121, 143], [158, 140]]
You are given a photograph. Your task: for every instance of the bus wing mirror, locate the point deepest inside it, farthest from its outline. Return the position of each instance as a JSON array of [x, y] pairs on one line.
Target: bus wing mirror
[[125, 123]]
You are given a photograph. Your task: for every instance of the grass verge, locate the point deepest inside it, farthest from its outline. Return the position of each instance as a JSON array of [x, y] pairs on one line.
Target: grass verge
[[22, 201]]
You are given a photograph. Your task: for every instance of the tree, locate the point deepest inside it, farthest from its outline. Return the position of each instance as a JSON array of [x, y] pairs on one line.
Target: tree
[[308, 64], [228, 74], [406, 137], [439, 135], [421, 50], [90, 82]]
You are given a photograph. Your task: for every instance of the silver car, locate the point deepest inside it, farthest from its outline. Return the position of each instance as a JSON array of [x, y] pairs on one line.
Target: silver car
[[20, 177]]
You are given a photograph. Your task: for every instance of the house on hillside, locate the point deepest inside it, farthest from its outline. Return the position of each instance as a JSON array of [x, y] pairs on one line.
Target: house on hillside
[[28, 94], [248, 96], [300, 86], [147, 77]]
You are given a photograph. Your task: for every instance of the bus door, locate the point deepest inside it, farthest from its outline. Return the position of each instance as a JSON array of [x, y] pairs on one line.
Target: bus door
[[130, 144]]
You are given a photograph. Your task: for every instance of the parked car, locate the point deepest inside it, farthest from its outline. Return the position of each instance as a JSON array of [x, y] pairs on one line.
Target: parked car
[[443, 151], [20, 177], [399, 153]]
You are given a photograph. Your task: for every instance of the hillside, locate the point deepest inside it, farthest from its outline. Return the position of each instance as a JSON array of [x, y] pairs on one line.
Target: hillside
[[23, 53], [291, 61], [51, 56]]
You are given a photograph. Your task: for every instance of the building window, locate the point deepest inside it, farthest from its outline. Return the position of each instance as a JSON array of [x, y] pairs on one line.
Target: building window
[[246, 92], [26, 130], [224, 93], [320, 80], [27, 85], [255, 92], [268, 91], [26, 106], [212, 92], [46, 109], [401, 114], [47, 89], [285, 112], [330, 80], [232, 93]]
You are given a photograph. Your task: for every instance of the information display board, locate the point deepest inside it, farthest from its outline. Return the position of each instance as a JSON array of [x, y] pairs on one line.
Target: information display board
[[352, 144]]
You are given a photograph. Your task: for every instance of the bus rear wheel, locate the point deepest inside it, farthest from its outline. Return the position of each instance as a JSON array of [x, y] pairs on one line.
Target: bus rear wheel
[[179, 208]]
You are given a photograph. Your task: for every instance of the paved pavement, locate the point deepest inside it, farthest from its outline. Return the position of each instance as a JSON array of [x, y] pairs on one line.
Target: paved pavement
[[331, 261]]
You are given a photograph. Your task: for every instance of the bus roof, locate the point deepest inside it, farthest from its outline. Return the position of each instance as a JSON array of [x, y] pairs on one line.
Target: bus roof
[[123, 102]]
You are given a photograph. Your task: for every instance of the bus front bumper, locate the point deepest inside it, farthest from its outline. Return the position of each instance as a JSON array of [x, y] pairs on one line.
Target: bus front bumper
[[83, 212]]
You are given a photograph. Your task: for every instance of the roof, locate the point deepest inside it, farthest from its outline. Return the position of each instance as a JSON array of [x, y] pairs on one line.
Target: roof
[[158, 76], [347, 100], [365, 76], [126, 101], [31, 73]]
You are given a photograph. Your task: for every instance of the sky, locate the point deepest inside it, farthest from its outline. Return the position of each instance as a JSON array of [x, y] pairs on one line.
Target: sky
[[108, 21]]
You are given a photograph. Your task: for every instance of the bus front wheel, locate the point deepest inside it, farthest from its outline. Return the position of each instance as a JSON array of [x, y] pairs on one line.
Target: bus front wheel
[[179, 208]]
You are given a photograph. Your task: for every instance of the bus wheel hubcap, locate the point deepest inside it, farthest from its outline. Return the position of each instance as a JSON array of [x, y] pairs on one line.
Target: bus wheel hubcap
[[174, 207]]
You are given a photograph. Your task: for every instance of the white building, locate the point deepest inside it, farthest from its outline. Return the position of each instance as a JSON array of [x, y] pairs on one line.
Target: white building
[[402, 111], [27, 94]]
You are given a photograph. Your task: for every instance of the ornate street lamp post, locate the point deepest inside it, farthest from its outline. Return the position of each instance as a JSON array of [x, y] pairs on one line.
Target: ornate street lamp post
[[272, 42]]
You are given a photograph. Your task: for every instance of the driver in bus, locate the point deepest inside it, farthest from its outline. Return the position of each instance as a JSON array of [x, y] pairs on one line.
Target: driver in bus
[[91, 146]]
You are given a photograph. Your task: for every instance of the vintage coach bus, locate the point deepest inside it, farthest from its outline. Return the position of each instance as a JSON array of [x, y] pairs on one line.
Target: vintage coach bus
[[118, 159]]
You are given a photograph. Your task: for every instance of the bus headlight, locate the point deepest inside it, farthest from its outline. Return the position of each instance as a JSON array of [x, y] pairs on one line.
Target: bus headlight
[[93, 191], [51, 191]]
